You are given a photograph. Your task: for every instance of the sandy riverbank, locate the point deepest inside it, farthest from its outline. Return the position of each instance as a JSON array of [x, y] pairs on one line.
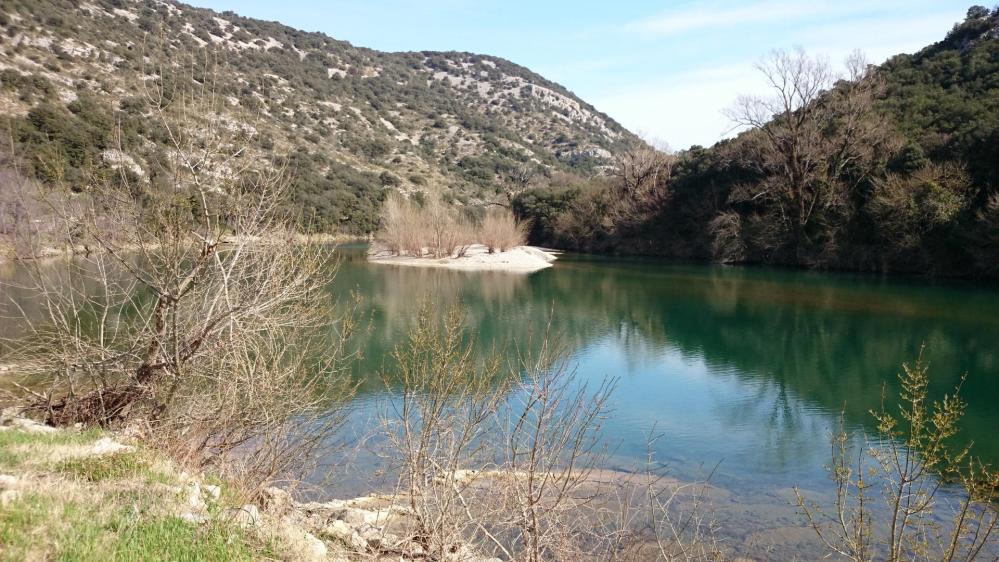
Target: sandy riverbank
[[522, 259]]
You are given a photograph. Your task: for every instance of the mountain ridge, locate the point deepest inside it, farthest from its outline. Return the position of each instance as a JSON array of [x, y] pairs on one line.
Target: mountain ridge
[[355, 121]]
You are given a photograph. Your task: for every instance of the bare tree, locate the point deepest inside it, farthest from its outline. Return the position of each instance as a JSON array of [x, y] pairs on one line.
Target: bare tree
[[642, 188], [811, 131], [198, 310]]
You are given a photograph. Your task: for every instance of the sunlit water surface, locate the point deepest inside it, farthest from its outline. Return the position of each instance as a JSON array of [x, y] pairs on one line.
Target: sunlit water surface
[[743, 373]]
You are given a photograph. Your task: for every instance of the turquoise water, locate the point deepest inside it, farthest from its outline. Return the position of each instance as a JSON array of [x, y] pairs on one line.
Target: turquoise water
[[743, 372]]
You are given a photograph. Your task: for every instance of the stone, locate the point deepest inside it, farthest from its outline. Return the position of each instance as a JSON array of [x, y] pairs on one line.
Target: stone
[[194, 499], [8, 497], [8, 481], [356, 516], [195, 518], [246, 517], [372, 535], [313, 548], [276, 499], [212, 492], [342, 531], [108, 446], [31, 426]]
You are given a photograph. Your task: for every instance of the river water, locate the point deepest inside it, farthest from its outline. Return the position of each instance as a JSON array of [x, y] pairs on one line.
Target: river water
[[743, 373]]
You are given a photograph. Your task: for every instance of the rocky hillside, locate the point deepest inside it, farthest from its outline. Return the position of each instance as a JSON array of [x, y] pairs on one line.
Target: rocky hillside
[[354, 121]]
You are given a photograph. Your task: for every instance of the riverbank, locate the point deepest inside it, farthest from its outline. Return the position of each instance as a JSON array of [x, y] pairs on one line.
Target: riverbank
[[521, 259], [8, 253], [93, 495]]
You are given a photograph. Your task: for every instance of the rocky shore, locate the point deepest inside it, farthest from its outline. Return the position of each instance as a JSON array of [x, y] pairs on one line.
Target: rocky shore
[[42, 465]]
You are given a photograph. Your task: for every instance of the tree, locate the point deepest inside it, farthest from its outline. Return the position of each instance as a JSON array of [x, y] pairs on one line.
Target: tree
[[813, 137], [197, 310]]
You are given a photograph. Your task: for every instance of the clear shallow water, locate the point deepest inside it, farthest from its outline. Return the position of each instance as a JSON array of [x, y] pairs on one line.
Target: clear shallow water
[[744, 372]]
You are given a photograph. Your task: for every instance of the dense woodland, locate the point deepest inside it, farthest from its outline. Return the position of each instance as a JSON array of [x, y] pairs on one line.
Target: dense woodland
[[892, 168]]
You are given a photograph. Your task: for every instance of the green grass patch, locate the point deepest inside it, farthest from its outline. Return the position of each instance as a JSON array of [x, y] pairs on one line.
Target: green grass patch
[[117, 466], [102, 520], [171, 538], [13, 438], [20, 522], [37, 527]]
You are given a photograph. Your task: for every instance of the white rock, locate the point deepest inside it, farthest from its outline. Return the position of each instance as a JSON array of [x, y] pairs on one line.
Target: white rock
[[31, 426], [246, 517], [343, 532], [212, 492], [8, 481], [356, 516], [8, 497], [195, 518], [313, 548], [108, 446], [276, 499], [194, 496]]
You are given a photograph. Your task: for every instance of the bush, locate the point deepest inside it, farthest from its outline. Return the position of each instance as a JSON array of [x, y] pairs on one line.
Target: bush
[[501, 231], [432, 227]]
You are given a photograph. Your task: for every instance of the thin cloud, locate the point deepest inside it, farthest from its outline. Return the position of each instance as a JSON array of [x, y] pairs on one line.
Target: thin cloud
[[715, 15]]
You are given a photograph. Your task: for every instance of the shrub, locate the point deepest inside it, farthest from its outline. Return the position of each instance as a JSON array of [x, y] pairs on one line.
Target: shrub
[[501, 231], [440, 230]]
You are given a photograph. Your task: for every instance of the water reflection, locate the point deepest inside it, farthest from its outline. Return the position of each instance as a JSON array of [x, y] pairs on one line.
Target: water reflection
[[743, 369], [746, 365]]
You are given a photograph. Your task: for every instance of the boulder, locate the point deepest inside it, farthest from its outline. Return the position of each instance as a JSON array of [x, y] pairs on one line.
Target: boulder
[[246, 517], [8, 497]]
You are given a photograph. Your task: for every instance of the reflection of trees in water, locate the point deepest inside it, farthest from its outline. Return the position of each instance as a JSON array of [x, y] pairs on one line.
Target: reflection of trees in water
[[829, 340]]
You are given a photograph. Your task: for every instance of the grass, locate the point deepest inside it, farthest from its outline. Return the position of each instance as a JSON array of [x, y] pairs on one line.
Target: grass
[[13, 442], [36, 527], [117, 507], [106, 467]]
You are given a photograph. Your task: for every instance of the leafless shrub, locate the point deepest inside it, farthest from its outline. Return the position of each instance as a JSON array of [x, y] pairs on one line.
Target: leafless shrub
[[642, 188], [500, 231], [511, 466], [442, 231], [726, 237], [437, 426], [550, 450], [197, 312]]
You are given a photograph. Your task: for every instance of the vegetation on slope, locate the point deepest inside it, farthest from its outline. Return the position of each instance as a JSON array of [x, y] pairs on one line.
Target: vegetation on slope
[[894, 168], [348, 123]]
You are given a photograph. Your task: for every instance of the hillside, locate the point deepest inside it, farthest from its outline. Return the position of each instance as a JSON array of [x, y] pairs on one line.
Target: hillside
[[353, 121], [892, 168]]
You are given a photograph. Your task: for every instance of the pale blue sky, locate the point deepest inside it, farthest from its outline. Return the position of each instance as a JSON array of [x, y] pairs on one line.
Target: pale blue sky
[[664, 69]]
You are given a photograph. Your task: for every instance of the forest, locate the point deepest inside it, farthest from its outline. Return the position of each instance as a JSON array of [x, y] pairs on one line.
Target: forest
[[890, 168]]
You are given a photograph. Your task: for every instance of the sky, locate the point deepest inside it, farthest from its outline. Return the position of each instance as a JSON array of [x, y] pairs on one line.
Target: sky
[[664, 69]]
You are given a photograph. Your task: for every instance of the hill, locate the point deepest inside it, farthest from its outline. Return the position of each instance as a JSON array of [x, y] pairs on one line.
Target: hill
[[348, 122], [893, 168]]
